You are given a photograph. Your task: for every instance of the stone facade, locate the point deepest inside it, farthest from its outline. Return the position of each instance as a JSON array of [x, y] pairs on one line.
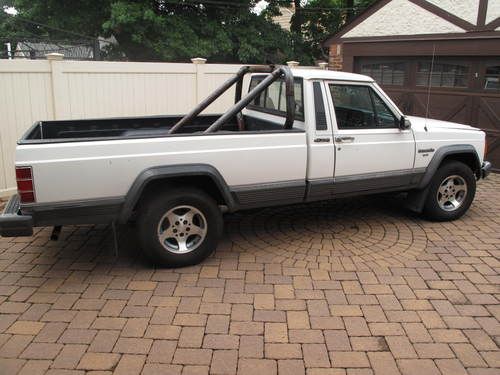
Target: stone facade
[[402, 17]]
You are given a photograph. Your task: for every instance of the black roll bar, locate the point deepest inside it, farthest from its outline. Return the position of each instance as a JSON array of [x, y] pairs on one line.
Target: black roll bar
[[242, 103], [276, 72]]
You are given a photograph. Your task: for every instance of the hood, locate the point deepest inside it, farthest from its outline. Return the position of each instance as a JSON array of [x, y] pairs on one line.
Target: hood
[[432, 124]]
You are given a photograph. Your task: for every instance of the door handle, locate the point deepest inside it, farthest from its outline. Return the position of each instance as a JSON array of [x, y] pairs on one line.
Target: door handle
[[320, 140], [344, 139]]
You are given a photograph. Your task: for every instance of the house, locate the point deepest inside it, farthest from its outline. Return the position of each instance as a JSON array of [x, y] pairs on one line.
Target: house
[[38, 50], [285, 17], [72, 50], [435, 57]]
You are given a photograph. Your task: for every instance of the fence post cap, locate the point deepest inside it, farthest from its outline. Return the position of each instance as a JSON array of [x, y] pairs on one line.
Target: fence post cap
[[323, 65], [54, 56], [198, 60], [292, 64]]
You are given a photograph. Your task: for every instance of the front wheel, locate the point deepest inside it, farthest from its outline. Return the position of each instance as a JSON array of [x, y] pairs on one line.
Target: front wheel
[[179, 227], [451, 192]]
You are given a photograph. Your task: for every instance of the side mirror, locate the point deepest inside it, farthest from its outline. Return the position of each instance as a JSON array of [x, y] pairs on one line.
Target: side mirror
[[404, 123]]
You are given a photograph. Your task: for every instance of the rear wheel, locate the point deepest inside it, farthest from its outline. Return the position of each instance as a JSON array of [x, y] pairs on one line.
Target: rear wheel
[[179, 227], [451, 192]]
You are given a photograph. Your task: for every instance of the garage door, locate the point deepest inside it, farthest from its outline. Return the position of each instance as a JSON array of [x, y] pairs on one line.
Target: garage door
[[465, 90]]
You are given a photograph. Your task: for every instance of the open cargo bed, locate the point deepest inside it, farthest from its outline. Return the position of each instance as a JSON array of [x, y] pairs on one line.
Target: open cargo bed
[[161, 126], [126, 127]]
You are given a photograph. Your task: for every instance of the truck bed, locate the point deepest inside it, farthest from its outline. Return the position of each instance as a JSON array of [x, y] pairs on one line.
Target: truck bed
[[132, 127], [114, 128]]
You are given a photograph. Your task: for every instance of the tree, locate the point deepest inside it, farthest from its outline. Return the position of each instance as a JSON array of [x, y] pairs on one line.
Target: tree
[[73, 18], [349, 5], [164, 30], [322, 18], [297, 21]]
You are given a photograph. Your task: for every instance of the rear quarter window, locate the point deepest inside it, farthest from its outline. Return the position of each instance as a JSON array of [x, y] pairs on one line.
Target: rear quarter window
[[273, 99]]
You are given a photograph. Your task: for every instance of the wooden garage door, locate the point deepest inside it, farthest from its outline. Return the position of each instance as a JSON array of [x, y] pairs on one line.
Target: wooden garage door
[[464, 90]]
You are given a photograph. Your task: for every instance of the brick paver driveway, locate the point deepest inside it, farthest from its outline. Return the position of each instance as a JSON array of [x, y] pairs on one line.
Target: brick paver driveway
[[356, 286]]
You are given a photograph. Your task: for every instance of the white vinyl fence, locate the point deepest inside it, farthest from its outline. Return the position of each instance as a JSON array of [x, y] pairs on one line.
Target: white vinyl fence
[[32, 90]]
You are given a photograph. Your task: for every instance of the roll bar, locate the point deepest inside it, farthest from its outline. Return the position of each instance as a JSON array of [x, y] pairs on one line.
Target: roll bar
[[239, 103]]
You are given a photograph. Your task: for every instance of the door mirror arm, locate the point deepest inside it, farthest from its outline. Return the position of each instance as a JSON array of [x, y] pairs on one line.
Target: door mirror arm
[[404, 123]]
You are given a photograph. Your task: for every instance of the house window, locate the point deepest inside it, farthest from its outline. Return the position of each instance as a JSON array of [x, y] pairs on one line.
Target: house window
[[492, 78], [391, 73], [443, 74]]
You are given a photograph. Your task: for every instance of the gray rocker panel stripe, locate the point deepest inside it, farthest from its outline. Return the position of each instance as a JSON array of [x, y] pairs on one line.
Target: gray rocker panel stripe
[[251, 196], [258, 195], [364, 183]]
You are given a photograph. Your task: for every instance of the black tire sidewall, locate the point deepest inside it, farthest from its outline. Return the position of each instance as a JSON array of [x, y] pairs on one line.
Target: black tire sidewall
[[152, 211], [432, 209]]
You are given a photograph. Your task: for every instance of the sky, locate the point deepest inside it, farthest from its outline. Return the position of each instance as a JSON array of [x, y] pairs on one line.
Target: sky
[[261, 5]]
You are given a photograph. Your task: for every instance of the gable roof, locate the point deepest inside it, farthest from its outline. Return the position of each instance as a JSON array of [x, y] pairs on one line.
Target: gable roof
[[430, 18], [38, 50]]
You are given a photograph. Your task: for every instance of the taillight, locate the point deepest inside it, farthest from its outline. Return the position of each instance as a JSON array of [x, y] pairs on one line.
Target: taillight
[[25, 186]]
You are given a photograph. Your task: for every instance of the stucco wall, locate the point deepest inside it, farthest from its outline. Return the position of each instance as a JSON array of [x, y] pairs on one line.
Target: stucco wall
[[401, 17], [493, 10], [465, 9]]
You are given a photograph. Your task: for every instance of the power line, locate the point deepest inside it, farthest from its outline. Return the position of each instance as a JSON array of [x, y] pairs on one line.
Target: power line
[[213, 3], [61, 30], [53, 27]]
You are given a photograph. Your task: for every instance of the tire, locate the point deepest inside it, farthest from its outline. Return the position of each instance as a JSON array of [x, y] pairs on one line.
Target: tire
[[179, 227], [451, 192]]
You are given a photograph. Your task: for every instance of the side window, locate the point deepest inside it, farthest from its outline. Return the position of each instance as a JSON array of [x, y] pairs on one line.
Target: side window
[[299, 99], [282, 106], [359, 107], [273, 96], [384, 117], [273, 99], [253, 83], [353, 107]]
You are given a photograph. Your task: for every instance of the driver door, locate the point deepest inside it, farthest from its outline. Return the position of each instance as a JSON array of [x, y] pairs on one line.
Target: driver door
[[371, 151]]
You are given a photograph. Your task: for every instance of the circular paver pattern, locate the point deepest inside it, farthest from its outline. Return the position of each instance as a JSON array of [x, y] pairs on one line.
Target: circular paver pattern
[[373, 233]]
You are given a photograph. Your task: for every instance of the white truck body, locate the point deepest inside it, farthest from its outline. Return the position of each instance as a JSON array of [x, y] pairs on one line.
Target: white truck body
[[90, 179], [75, 171]]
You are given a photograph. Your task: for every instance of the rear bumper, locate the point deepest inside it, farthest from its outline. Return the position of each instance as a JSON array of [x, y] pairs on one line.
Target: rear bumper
[[12, 222], [485, 169]]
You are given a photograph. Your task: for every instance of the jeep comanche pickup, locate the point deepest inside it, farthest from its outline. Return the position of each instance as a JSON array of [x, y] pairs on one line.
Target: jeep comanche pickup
[[296, 136]]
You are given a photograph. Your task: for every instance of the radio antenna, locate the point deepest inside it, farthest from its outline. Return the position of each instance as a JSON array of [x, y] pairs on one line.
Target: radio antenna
[[429, 84]]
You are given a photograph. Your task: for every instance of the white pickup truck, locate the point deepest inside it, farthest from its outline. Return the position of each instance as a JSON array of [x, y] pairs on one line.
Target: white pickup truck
[[296, 136]]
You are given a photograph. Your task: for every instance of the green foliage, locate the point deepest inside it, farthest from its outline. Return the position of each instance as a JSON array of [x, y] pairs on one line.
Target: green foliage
[[83, 17], [169, 30], [176, 30], [322, 18]]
